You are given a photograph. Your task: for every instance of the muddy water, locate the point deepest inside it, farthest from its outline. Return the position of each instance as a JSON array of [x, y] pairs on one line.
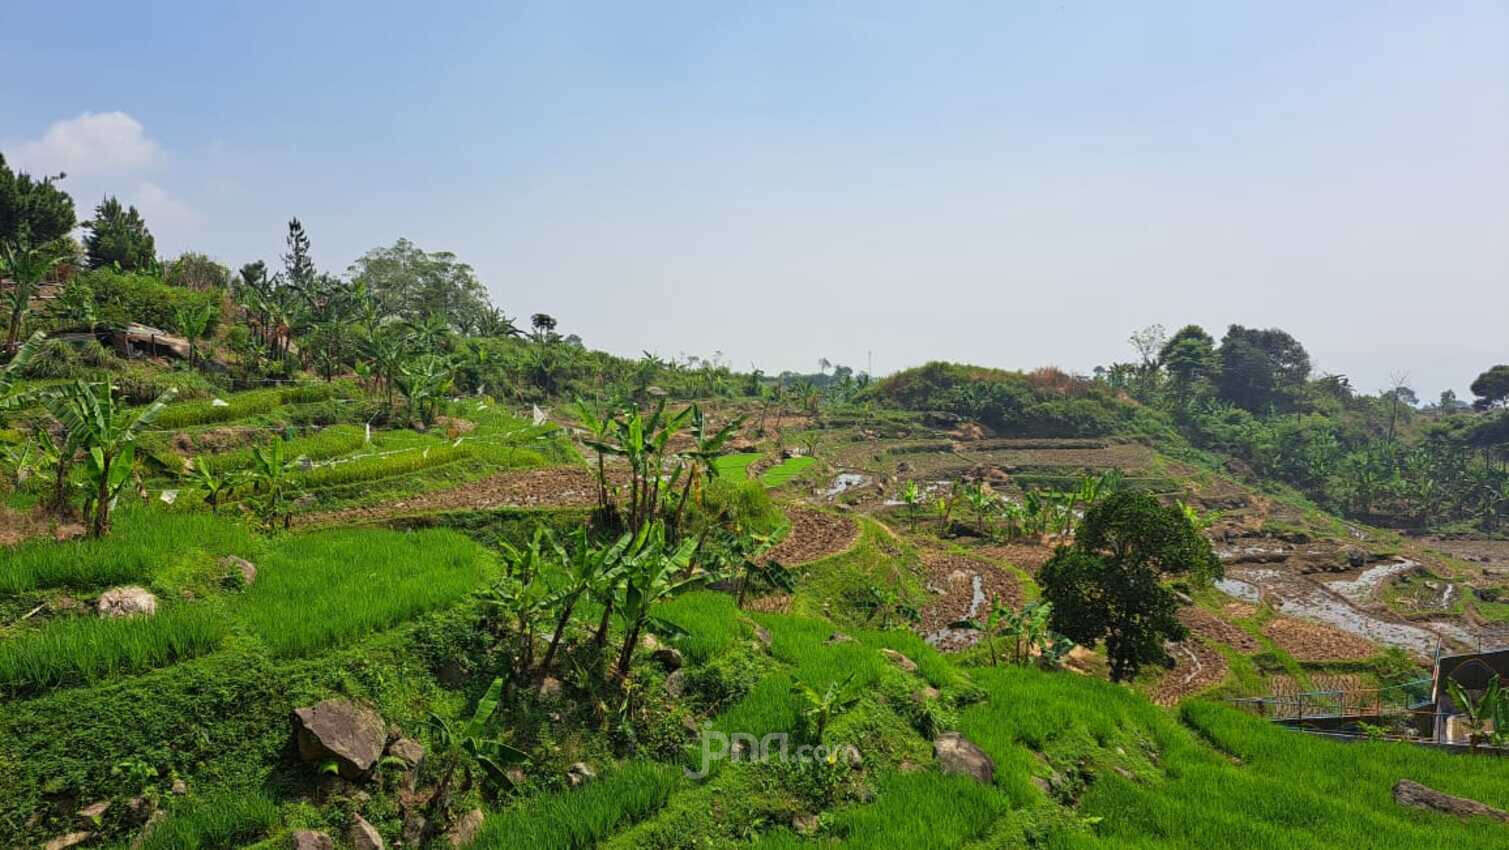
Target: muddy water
[[845, 482], [1363, 588], [963, 637], [1298, 597]]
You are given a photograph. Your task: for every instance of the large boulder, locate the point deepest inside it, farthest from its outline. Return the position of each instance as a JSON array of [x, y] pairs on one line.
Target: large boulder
[[308, 839], [364, 836], [127, 602], [465, 830], [1415, 795], [957, 755], [900, 660], [239, 567], [338, 729]]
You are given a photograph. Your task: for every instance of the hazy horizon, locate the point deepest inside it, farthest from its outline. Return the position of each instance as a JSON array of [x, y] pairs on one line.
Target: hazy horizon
[[1013, 187]]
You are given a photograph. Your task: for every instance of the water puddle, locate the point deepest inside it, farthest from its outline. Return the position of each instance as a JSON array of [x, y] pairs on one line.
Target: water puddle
[[1297, 597], [845, 482], [1362, 589], [952, 637]]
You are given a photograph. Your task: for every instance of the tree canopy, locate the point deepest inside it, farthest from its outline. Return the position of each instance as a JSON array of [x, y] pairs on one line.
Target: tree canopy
[[1262, 370], [413, 284], [118, 236], [1492, 387], [37, 208], [1109, 584]]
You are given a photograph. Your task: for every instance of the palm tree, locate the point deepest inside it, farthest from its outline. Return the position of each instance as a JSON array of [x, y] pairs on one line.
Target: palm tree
[[194, 324], [27, 266], [107, 433]]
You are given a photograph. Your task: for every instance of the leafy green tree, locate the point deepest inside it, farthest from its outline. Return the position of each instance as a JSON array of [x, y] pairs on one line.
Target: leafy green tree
[[1189, 358], [1491, 388], [424, 381], [413, 284], [197, 271], [194, 322], [1262, 370], [1109, 584], [106, 431], [34, 210], [118, 236], [27, 265]]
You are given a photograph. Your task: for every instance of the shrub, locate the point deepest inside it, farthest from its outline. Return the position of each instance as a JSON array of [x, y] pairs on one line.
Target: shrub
[[124, 297]]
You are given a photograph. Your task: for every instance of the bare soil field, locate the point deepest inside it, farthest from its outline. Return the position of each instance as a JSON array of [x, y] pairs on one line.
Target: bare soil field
[[556, 486], [1308, 641], [1196, 667], [964, 589], [814, 535], [1209, 626]]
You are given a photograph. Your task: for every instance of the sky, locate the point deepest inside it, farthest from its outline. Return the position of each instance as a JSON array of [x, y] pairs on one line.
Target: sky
[[1012, 184]]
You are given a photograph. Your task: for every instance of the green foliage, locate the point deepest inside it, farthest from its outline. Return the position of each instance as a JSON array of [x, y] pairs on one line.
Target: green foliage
[[735, 466], [322, 588], [33, 209], [412, 284], [79, 651], [197, 271], [118, 237], [222, 821], [122, 297], [786, 470], [579, 819], [1491, 387], [1109, 584]]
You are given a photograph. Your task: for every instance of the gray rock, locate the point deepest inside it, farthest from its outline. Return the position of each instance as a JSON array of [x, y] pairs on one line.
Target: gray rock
[[762, 635], [364, 836], [127, 602], [466, 829], [246, 569], [63, 842], [414, 827], [407, 750], [668, 657], [805, 824], [91, 814], [675, 684], [180, 787], [580, 774], [1415, 795], [957, 755], [308, 839], [339, 729], [838, 637]]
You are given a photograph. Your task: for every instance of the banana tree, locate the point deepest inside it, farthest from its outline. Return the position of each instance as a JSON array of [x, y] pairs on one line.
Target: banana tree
[[980, 500], [274, 487], [10, 374], [641, 441], [911, 496], [521, 598], [26, 265], [194, 323], [216, 486], [1485, 718], [461, 745], [706, 446], [424, 381], [106, 432], [589, 568], [818, 709], [598, 428], [654, 571]]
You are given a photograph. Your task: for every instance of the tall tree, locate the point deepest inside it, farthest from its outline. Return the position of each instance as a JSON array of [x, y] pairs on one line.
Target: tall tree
[[1109, 584], [414, 284], [1491, 388], [298, 265], [1262, 370], [1189, 357], [36, 208], [197, 271], [118, 236]]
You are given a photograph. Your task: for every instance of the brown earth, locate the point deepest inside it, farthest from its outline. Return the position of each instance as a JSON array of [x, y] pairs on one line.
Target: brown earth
[[814, 535], [16, 526], [1209, 626], [953, 575], [1026, 556], [1196, 667], [1308, 641], [556, 486]]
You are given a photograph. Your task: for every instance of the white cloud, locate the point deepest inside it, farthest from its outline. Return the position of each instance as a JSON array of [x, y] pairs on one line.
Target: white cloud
[[95, 144], [169, 218]]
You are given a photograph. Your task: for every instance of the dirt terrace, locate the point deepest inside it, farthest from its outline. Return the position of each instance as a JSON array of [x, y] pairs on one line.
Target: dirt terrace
[[1209, 626], [555, 487], [814, 535], [964, 589], [1196, 667], [1308, 641]]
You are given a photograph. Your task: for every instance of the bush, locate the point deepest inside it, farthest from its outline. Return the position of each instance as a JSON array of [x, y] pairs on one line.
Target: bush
[[124, 297], [56, 360]]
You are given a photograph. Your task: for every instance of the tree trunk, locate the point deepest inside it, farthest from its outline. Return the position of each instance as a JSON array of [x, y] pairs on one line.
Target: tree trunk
[[601, 637], [101, 525], [626, 656], [555, 639]]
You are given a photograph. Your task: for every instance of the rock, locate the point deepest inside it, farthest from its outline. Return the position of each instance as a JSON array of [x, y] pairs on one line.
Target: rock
[[339, 729], [308, 839], [551, 688], [675, 684], [580, 774], [1124, 773], [668, 657], [140, 807], [851, 757], [363, 835], [908, 766], [1356, 557], [92, 813], [407, 750], [838, 637], [69, 531], [805, 824], [516, 776], [957, 755], [414, 827], [1407, 793], [1043, 785], [927, 694], [62, 842], [180, 787], [762, 635], [649, 643], [900, 660], [157, 817], [127, 602], [246, 569], [466, 829]]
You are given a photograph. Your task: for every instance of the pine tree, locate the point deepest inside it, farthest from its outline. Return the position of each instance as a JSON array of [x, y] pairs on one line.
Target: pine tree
[[118, 236]]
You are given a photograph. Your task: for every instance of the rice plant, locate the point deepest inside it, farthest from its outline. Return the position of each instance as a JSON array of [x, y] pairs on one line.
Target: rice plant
[[785, 471], [222, 821], [576, 820], [87, 650]]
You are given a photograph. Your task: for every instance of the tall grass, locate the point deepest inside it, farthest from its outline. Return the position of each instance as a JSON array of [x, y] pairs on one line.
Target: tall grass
[[735, 466], [223, 821], [142, 542], [576, 820], [244, 405], [317, 589], [325, 443], [711, 619], [84, 651]]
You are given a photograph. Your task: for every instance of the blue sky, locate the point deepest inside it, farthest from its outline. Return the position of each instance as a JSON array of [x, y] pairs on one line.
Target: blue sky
[[1014, 184]]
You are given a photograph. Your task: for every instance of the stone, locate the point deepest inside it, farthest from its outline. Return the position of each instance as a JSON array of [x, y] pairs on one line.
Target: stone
[[649, 643], [246, 569], [363, 835], [127, 602], [308, 839], [466, 829], [414, 827], [551, 688], [63, 842], [90, 815], [1356, 557], [838, 637], [408, 751], [1415, 795], [580, 774], [900, 660], [927, 694], [668, 657], [68, 531], [957, 755], [153, 820], [339, 729], [1043, 785], [675, 684], [762, 635], [180, 787], [805, 824], [516, 776]]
